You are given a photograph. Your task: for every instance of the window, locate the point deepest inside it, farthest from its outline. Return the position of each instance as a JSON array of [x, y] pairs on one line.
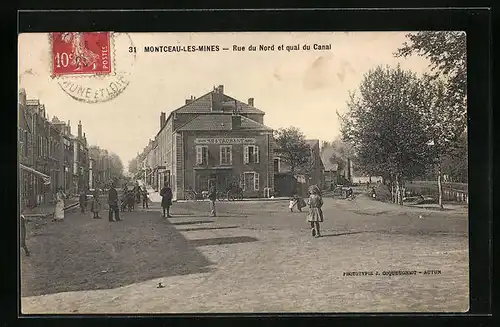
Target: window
[[201, 155], [251, 181], [276, 165], [226, 155], [251, 154]]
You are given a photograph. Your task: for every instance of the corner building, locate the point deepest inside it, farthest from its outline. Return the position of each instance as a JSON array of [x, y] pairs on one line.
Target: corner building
[[214, 137]]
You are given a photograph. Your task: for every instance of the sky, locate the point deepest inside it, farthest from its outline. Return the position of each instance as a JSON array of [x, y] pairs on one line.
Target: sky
[[301, 88]]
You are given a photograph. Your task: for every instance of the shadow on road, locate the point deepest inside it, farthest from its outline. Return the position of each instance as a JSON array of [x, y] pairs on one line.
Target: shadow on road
[[205, 228], [86, 254], [193, 222], [222, 240], [346, 233]]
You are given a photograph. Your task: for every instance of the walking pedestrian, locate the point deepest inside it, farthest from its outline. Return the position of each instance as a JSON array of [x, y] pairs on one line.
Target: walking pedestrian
[[138, 192], [59, 210], [296, 200], [166, 200], [95, 205], [23, 234], [315, 215], [113, 204], [212, 196], [145, 198], [82, 200]]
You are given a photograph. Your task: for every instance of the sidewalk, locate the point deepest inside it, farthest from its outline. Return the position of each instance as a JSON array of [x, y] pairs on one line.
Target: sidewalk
[[49, 208], [362, 204]]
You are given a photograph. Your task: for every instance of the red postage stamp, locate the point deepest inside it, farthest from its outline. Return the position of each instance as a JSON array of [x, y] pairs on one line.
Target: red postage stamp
[[76, 53]]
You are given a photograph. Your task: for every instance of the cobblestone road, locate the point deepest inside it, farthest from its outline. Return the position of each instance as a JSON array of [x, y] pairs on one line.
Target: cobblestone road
[[254, 257]]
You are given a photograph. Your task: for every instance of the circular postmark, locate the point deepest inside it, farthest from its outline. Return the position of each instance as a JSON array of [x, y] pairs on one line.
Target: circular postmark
[[92, 67]]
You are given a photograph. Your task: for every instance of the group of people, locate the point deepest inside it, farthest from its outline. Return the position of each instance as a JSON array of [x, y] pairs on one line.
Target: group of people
[[166, 199], [133, 196]]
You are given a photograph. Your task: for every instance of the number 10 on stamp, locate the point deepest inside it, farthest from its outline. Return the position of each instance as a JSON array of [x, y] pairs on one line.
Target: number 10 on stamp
[[81, 53]]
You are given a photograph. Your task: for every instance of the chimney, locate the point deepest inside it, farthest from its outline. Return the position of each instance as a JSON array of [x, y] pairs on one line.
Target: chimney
[[69, 127], [162, 119], [250, 102], [236, 121], [80, 129], [217, 98], [22, 96]]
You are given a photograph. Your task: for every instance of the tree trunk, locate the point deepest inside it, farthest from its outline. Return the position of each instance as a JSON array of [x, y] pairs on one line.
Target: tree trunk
[[399, 198], [393, 198], [440, 186], [401, 190]]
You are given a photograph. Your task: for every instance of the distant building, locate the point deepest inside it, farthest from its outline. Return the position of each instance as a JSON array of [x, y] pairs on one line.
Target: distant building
[[313, 174], [212, 138]]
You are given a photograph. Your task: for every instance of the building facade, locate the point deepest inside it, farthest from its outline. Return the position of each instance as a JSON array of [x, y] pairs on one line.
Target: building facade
[[213, 138], [47, 147], [287, 183]]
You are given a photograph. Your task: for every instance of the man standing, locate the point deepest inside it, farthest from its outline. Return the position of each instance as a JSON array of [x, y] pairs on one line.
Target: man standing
[[166, 200], [113, 203], [212, 196], [23, 234]]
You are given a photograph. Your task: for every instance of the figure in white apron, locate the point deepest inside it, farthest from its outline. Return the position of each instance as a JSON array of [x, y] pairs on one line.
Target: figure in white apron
[[59, 212]]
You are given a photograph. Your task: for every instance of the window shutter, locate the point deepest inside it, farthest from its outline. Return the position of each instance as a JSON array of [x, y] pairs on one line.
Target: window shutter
[[199, 157], [242, 181], [245, 154], [256, 181], [256, 153], [221, 153], [230, 149]]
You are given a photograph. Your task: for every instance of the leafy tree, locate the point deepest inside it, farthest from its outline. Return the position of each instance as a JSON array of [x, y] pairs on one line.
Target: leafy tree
[[385, 126], [133, 166], [447, 53], [444, 122], [292, 148], [116, 166], [454, 163]]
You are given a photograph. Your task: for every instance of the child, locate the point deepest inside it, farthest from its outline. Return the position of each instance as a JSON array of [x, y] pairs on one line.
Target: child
[[296, 200], [130, 200], [293, 201], [315, 215], [95, 206]]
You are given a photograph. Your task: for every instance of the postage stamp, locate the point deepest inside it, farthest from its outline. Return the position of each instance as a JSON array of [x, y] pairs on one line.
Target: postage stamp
[[81, 53], [85, 65]]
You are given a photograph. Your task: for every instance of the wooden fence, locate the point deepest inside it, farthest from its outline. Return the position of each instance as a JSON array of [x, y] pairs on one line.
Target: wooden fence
[[452, 192]]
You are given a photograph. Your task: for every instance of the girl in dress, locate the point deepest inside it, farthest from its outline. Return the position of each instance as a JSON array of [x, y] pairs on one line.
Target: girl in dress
[[59, 211], [315, 215], [95, 206]]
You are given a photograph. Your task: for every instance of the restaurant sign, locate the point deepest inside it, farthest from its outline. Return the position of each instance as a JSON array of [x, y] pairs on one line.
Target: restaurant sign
[[225, 140]]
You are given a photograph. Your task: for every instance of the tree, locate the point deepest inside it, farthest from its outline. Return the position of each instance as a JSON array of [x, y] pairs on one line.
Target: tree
[[385, 126], [444, 123], [454, 163], [116, 166], [292, 148], [447, 53]]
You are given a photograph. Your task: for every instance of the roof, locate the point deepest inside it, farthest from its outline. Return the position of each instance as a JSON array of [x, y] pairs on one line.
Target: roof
[[326, 154], [203, 104], [221, 122], [312, 143]]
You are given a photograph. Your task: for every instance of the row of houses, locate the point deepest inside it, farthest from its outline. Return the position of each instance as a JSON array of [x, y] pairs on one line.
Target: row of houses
[[216, 137], [48, 147]]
